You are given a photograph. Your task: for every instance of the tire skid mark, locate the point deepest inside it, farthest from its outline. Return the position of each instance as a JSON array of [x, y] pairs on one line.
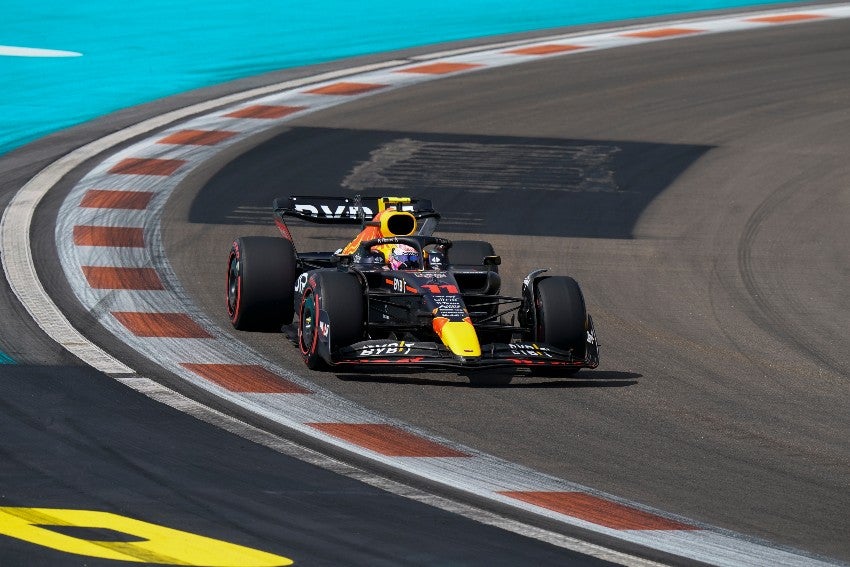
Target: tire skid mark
[[762, 312]]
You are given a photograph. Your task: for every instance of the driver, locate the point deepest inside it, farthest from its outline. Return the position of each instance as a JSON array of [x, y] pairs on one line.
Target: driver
[[404, 257]]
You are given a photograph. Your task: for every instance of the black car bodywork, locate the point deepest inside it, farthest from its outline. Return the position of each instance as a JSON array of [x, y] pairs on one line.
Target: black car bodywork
[[350, 309]]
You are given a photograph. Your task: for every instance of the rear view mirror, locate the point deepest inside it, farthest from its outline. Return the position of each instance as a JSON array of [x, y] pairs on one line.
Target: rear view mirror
[[492, 260], [344, 259]]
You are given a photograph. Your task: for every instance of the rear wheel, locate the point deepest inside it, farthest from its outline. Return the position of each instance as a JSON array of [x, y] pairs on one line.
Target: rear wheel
[[340, 295], [261, 273], [561, 318]]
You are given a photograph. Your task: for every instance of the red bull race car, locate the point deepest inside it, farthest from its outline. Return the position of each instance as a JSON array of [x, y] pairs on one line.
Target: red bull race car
[[398, 295]]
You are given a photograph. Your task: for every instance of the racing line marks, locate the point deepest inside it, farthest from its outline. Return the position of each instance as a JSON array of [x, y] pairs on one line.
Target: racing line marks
[[213, 361]]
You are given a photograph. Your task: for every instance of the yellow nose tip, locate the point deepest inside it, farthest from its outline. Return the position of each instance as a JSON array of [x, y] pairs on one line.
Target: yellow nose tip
[[459, 336]]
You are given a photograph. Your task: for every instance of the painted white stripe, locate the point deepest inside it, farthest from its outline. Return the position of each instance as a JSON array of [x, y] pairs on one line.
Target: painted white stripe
[[12, 51], [478, 474]]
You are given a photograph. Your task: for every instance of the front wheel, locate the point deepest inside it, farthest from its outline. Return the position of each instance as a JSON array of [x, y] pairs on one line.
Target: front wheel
[[560, 317], [330, 316]]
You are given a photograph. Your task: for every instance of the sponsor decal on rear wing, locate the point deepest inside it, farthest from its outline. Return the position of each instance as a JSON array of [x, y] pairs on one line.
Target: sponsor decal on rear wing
[[348, 210]]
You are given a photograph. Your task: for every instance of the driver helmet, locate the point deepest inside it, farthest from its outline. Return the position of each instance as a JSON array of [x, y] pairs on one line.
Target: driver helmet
[[404, 257]]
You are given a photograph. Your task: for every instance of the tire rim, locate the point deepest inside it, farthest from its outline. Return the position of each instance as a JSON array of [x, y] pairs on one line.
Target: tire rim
[[233, 284], [308, 323]]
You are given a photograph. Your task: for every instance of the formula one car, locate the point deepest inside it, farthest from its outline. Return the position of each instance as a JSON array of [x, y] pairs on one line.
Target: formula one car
[[397, 295]]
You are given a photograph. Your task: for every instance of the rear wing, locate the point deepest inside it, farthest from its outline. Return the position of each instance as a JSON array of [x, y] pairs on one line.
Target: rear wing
[[355, 210]]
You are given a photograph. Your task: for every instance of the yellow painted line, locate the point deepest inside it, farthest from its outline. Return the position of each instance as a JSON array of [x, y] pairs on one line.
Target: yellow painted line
[[157, 544]]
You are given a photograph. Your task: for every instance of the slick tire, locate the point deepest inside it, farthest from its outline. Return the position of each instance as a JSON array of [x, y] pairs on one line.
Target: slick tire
[[340, 294], [561, 317], [261, 273]]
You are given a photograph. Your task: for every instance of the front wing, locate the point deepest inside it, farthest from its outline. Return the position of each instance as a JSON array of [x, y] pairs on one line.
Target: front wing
[[495, 355]]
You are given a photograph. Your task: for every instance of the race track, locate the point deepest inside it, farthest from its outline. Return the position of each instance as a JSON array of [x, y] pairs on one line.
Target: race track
[[695, 188]]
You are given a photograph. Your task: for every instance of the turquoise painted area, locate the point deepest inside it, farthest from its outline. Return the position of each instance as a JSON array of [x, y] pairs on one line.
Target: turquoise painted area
[[150, 49]]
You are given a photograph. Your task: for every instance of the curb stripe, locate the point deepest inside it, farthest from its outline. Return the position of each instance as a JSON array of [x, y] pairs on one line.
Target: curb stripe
[[161, 325], [100, 277], [110, 199], [598, 510], [147, 166], [246, 378], [387, 440], [346, 89], [546, 49], [264, 111], [118, 236], [197, 137], [660, 33], [785, 18], [440, 68]]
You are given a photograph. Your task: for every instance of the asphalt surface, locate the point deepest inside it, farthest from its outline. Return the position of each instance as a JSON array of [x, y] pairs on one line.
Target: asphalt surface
[[697, 189]]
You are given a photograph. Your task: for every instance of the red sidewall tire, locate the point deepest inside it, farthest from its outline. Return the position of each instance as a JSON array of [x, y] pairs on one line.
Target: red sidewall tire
[[261, 274], [233, 297], [308, 327], [340, 296]]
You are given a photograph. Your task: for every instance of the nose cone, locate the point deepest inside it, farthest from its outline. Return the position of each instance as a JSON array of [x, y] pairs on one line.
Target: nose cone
[[459, 336]]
